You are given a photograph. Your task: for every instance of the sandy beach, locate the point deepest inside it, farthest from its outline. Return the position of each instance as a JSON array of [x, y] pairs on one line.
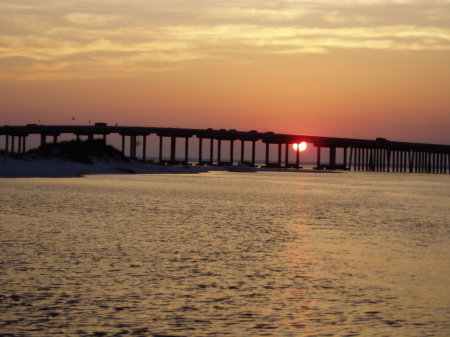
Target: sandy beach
[[58, 168]]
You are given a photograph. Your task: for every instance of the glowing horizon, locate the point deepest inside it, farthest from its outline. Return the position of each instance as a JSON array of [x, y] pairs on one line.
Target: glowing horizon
[[362, 69]]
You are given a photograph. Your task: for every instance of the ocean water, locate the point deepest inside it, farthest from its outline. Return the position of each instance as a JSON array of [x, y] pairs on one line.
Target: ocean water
[[226, 254]]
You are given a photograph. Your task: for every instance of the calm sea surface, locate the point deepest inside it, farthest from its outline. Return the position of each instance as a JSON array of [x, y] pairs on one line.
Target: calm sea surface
[[226, 254]]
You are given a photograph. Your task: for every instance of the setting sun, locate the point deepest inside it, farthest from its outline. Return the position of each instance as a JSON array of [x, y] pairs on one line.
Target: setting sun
[[300, 147]]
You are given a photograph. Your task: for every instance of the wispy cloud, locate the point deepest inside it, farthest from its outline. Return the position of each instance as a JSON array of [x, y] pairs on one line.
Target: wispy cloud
[[90, 19], [79, 39]]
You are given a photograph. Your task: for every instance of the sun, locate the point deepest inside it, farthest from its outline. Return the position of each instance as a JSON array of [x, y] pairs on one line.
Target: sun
[[300, 147]]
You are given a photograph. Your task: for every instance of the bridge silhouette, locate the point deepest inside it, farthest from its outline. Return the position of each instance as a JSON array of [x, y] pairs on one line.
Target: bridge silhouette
[[356, 154]]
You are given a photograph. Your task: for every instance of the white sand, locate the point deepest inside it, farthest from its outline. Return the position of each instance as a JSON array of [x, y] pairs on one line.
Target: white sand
[[10, 167], [57, 168]]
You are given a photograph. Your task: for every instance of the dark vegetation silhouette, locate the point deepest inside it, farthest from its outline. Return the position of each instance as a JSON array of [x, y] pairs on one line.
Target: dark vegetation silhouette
[[78, 151]]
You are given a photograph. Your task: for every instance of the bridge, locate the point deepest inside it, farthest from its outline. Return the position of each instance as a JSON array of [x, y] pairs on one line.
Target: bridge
[[354, 154]]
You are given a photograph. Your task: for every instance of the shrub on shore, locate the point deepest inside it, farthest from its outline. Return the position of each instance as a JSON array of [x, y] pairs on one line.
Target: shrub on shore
[[78, 151]]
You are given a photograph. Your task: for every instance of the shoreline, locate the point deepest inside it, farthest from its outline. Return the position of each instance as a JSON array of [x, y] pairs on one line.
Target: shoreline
[[59, 168]]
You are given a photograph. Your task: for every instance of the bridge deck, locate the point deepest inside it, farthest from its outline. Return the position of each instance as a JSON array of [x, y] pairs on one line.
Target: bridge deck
[[364, 154]]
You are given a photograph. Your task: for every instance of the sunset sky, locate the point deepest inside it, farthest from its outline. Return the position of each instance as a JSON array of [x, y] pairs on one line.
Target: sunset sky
[[348, 68]]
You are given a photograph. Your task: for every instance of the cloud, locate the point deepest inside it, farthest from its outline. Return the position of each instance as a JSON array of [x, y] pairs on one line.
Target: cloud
[[91, 19], [79, 38], [257, 14]]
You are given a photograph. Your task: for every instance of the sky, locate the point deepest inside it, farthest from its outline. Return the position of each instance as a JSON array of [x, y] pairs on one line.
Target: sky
[[359, 69]]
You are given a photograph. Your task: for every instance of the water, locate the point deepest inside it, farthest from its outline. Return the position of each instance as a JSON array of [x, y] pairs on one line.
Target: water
[[226, 254]]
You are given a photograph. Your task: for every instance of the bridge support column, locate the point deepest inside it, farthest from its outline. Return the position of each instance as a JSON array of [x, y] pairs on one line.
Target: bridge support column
[[345, 158], [318, 159], [267, 154], [404, 163], [23, 149], [144, 148], [186, 150], [332, 161], [392, 159], [438, 163], [444, 163], [359, 159], [373, 160], [431, 162], [279, 155], [448, 159], [242, 152], [297, 158], [416, 161], [381, 160], [378, 160], [160, 159], [6, 144], [366, 159], [396, 161], [123, 143], [22, 142], [434, 162], [132, 139], [363, 159], [173, 148], [424, 162], [350, 159], [254, 153], [388, 160], [231, 152], [211, 151], [420, 162], [219, 151], [200, 150], [411, 161], [286, 155], [19, 145], [13, 150]]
